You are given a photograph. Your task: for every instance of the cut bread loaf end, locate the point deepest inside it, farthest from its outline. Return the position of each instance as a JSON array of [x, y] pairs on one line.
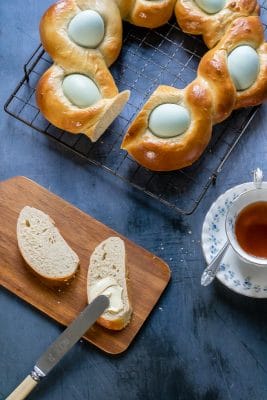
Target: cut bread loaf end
[[43, 248], [107, 275]]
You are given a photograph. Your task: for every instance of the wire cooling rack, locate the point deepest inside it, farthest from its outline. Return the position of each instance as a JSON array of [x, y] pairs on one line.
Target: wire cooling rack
[[148, 58]]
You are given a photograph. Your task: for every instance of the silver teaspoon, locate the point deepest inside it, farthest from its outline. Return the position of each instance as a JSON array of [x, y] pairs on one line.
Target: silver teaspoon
[[210, 272]]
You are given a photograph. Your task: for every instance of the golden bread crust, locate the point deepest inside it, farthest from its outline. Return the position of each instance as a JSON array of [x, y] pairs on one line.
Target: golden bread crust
[[212, 26], [249, 31], [147, 14], [72, 58], [174, 153], [115, 325], [125, 7], [63, 50], [151, 14], [63, 114], [214, 71], [210, 99], [48, 281]]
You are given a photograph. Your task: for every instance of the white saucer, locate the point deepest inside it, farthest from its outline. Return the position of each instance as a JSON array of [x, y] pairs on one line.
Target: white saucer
[[234, 273]]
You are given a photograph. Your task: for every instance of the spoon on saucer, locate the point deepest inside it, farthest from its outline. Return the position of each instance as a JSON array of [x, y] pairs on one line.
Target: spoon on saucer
[[211, 270]]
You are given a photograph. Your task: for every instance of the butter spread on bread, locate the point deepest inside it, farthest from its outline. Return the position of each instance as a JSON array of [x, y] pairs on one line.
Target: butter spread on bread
[[107, 274], [110, 288]]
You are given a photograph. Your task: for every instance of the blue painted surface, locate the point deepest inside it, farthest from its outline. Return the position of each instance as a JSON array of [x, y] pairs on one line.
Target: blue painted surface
[[199, 343]]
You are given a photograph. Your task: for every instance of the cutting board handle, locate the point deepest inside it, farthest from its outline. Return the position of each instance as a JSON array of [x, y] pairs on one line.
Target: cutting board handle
[[23, 390]]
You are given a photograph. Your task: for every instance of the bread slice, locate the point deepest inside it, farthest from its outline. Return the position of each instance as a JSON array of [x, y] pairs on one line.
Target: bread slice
[[107, 275], [43, 248]]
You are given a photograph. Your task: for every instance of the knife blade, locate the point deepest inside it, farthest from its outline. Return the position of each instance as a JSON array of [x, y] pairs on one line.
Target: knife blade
[[61, 346]]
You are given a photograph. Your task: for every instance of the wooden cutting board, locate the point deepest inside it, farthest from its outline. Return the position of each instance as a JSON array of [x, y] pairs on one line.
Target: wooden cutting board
[[148, 274]]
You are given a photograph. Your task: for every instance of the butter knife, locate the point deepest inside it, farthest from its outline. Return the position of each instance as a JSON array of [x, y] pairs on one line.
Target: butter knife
[[60, 347]]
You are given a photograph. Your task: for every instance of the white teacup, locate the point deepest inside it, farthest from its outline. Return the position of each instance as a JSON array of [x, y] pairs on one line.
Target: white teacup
[[242, 201]]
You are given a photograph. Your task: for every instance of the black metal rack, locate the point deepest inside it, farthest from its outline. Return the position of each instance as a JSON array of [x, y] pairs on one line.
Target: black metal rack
[[148, 58]]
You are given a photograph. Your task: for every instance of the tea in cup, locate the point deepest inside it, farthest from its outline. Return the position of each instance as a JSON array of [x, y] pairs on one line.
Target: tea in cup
[[246, 226]]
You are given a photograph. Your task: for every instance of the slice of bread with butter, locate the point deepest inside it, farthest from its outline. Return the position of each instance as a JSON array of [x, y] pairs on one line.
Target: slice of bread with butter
[[107, 275]]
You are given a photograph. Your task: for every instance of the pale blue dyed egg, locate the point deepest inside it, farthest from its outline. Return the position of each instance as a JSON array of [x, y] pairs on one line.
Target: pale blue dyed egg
[[211, 6], [80, 90], [169, 120], [87, 29], [243, 66]]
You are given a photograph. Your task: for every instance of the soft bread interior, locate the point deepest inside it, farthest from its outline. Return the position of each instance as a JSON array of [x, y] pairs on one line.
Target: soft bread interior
[[107, 275], [42, 246], [111, 112]]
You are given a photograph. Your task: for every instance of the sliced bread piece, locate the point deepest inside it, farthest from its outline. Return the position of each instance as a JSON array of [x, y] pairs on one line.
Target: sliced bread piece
[[107, 275], [43, 248]]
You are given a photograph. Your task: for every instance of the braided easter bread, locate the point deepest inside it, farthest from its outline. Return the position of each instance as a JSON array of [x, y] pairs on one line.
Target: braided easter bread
[[161, 154], [174, 127], [212, 18], [146, 13], [60, 111], [61, 38], [78, 93]]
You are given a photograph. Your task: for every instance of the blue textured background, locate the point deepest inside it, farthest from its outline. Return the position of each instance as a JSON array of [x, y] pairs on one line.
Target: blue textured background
[[207, 344]]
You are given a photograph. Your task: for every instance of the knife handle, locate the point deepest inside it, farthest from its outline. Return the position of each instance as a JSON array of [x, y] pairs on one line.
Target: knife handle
[[24, 389]]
